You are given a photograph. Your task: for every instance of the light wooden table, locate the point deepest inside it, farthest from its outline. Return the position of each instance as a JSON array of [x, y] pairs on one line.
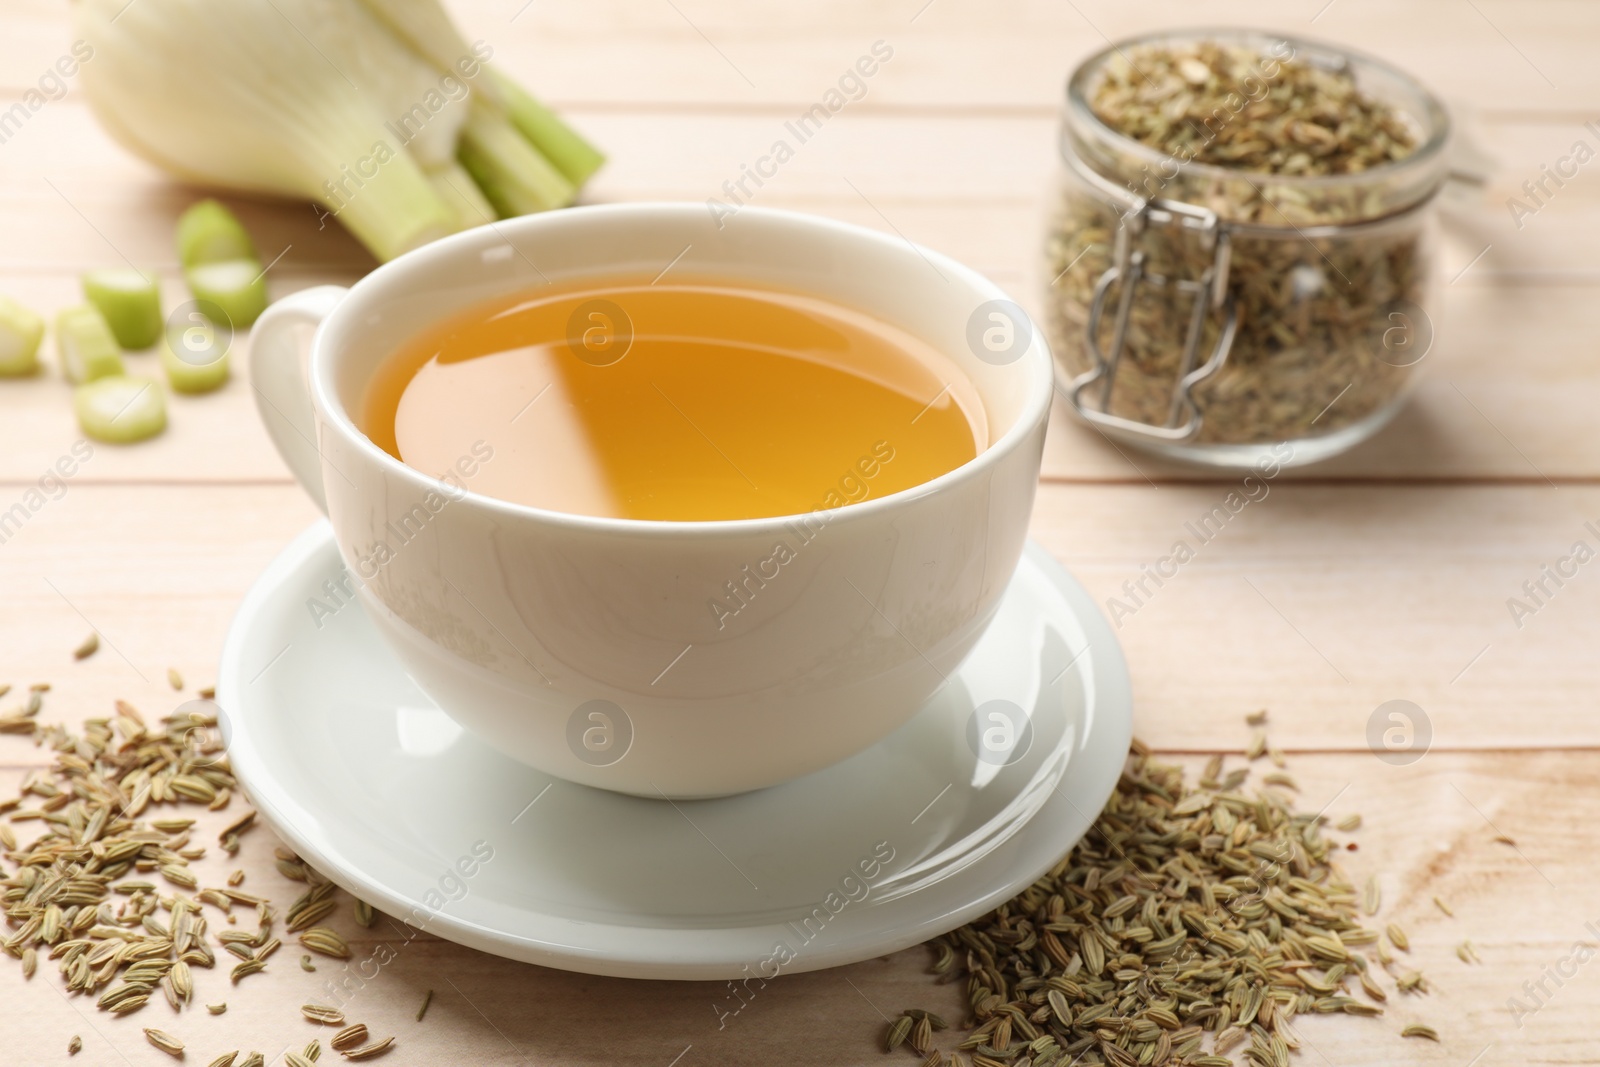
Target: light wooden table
[[1382, 575]]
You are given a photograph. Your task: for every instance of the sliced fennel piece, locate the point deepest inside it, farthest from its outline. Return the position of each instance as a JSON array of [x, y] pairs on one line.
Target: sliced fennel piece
[[120, 409], [221, 268], [238, 288], [512, 174], [575, 158], [187, 374], [195, 356], [208, 232], [87, 348], [21, 331], [130, 302]]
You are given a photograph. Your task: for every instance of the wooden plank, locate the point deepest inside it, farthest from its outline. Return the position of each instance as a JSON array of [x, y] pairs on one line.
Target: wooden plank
[[1429, 831], [1496, 53], [157, 572], [1327, 602], [1321, 602], [1509, 393], [1469, 419], [74, 194]]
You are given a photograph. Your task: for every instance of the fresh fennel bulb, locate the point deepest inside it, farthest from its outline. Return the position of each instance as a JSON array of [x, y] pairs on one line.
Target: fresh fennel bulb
[[361, 105]]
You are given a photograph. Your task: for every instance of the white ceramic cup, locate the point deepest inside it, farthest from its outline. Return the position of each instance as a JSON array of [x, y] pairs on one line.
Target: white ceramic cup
[[586, 646]]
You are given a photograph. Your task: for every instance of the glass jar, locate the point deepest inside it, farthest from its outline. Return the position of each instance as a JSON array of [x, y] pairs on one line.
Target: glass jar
[[1234, 317]]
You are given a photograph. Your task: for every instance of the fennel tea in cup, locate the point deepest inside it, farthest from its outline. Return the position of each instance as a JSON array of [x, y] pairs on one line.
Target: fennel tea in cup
[[683, 400]]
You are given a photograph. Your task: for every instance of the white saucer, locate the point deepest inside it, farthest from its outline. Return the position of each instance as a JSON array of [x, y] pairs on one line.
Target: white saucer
[[370, 782]]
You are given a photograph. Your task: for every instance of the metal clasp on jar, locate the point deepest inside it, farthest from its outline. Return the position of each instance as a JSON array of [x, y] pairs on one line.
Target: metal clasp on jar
[[1210, 292]]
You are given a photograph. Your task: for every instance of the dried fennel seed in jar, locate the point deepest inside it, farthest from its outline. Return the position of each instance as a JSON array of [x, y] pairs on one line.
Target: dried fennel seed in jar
[[1189, 924], [1329, 300]]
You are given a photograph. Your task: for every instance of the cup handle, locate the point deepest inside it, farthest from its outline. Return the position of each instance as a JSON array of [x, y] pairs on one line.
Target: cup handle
[[279, 379]]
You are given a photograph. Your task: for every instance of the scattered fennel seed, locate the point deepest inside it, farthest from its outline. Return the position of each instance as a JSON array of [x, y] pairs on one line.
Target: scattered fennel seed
[[1257, 747], [325, 942], [353, 1036], [921, 1039], [367, 1052], [1171, 883], [1412, 982], [245, 969], [321, 1013], [164, 1041]]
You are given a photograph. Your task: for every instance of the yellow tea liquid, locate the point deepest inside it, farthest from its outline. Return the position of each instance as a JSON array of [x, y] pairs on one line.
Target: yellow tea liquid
[[688, 400]]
